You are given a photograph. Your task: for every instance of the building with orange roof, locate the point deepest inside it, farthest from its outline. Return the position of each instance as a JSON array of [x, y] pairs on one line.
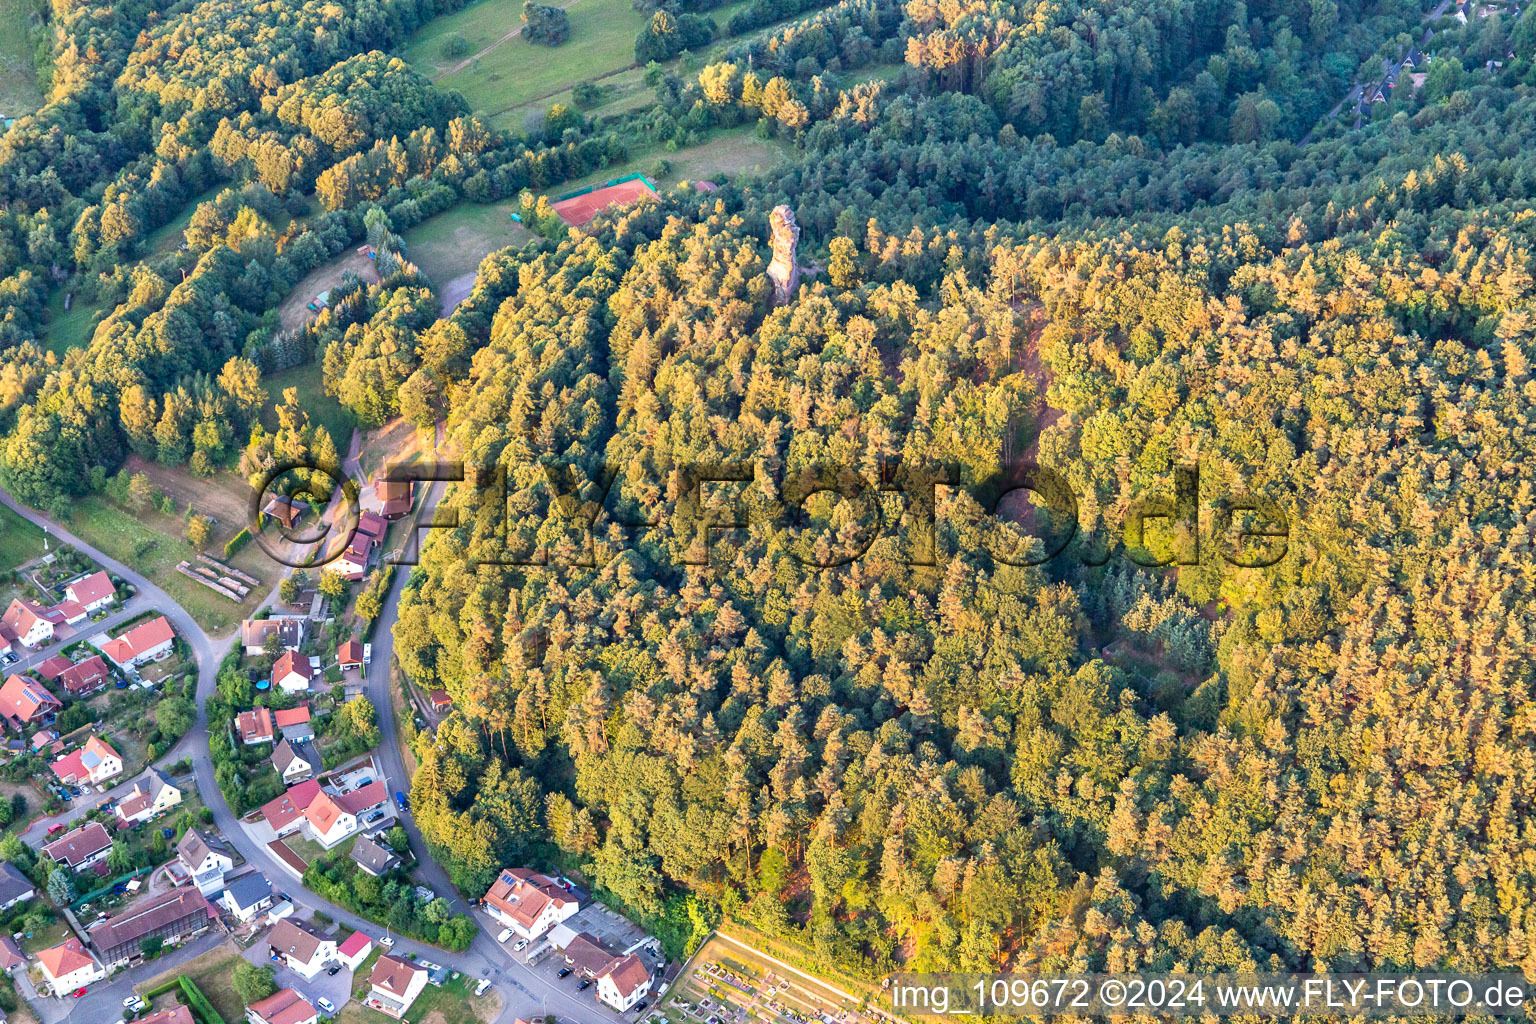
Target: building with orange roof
[[148, 641], [329, 822], [94, 763], [25, 702], [68, 967], [285, 1006], [623, 983], [529, 903]]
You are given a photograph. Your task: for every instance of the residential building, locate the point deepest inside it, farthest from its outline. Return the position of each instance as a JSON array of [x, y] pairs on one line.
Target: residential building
[[95, 762], [25, 702], [67, 612], [253, 634], [349, 655], [207, 858], [54, 667], [373, 526], [68, 966], [355, 950], [152, 795], [353, 562], [373, 857], [292, 673], [295, 762], [285, 510], [304, 950], [583, 951], [529, 903], [394, 985], [441, 701], [394, 496], [247, 896], [285, 815], [86, 678], [15, 887], [295, 724], [364, 800], [47, 740], [80, 848], [148, 641], [285, 1006], [11, 955], [173, 917], [29, 623], [92, 592], [623, 983], [170, 1015], [256, 726], [328, 822]]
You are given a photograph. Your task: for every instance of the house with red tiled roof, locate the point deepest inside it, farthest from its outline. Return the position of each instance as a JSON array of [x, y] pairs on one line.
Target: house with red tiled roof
[[87, 677], [623, 983], [144, 642], [394, 985], [292, 672], [363, 800], [255, 726], [170, 1015], [394, 496], [68, 967], [92, 592], [349, 655], [355, 950], [29, 623], [285, 1006], [54, 667], [529, 903], [354, 561], [69, 612], [329, 822], [295, 724], [25, 702], [80, 848], [285, 815], [94, 763]]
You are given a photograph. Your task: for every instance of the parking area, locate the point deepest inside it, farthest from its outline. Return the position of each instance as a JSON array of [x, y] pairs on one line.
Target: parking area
[[335, 987]]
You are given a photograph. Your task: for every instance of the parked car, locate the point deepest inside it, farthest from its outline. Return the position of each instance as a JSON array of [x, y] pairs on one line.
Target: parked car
[[521, 945], [642, 1004], [135, 1003], [506, 933], [77, 993], [57, 827], [563, 972], [387, 941], [326, 1005], [334, 970], [584, 983]]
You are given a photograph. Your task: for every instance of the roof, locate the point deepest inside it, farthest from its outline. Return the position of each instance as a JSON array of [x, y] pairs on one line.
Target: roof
[[323, 813], [147, 917], [93, 588], [195, 847], [351, 651], [288, 752], [253, 632], [523, 895], [86, 760], [355, 944], [296, 939], [249, 889], [170, 1015], [86, 675], [373, 856], [10, 953], [13, 884], [394, 975], [440, 699], [24, 699], [578, 210], [285, 1006], [54, 667], [627, 974], [255, 725], [372, 525], [21, 616], [291, 716], [290, 805], [363, 797], [74, 847], [291, 662], [586, 953], [143, 793], [65, 958], [144, 637]]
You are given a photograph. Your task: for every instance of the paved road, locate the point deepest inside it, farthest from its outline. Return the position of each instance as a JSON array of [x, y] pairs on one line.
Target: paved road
[[523, 991]]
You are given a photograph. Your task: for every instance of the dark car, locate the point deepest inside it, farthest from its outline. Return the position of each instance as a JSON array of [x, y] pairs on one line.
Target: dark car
[[563, 972], [642, 1004], [285, 897], [334, 969], [584, 983]]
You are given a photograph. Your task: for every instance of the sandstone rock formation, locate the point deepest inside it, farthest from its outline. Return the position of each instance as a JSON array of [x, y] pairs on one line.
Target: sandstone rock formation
[[784, 272]]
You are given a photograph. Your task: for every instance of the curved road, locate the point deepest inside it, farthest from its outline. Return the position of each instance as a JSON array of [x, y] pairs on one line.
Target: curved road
[[523, 992]]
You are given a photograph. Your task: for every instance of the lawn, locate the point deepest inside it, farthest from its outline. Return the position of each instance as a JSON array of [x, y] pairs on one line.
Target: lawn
[[516, 72], [322, 408], [49, 937], [737, 152], [20, 541], [213, 974], [453, 1003], [19, 93], [168, 236], [453, 243], [153, 544], [73, 329]]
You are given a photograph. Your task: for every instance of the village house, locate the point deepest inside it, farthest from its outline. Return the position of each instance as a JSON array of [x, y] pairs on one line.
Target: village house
[[285, 1006], [15, 887], [373, 858], [363, 800], [303, 949], [93, 592], [25, 702], [529, 903], [623, 983], [86, 678], [170, 1015], [53, 667], [355, 950], [354, 561], [295, 724], [394, 985], [285, 814], [151, 796], [81, 848], [255, 726], [394, 496], [295, 762], [292, 673], [329, 822], [253, 634], [247, 896], [206, 858], [173, 917], [29, 623], [11, 955], [285, 511], [68, 967], [349, 655], [95, 762], [148, 641]]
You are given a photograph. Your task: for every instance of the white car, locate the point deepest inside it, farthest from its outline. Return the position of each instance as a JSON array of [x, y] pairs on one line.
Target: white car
[[506, 933], [325, 1004], [387, 941], [522, 944], [134, 1002]]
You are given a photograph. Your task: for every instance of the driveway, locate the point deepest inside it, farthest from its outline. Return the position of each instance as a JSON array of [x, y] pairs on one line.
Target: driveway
[[337, 988]]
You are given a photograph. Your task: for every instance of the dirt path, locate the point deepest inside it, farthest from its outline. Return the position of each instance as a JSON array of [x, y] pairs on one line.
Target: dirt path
[[467, 61]]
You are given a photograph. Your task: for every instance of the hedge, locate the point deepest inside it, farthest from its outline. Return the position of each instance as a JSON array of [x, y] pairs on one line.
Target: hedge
[[237, 542], [199, 1003]]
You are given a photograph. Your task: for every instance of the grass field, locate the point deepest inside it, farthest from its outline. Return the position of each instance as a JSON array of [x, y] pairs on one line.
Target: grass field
[[322, 408], [213, 974], [735, 151], [295, 312], [72, 329], [20, 541], [516, 72], [453, 1003], [454, 243], [19, 93]]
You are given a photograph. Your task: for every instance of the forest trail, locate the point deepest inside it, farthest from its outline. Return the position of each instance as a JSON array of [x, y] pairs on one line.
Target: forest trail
[[467, 61]]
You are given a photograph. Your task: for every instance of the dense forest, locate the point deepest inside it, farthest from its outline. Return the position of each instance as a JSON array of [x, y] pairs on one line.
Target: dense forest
[[1119, 240]]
